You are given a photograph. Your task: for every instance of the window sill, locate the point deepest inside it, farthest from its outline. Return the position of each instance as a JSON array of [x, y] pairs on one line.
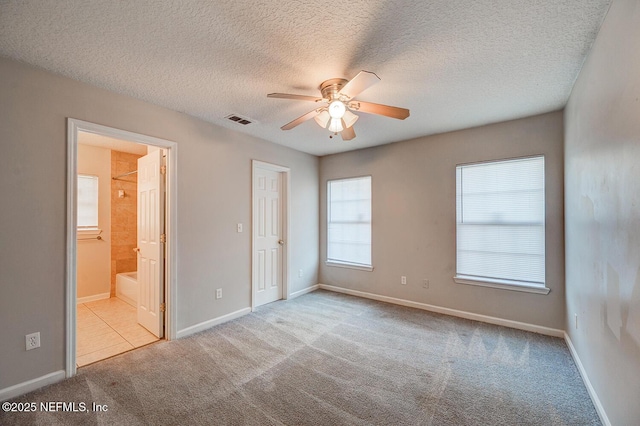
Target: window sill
[[333, 263], [501, 284]]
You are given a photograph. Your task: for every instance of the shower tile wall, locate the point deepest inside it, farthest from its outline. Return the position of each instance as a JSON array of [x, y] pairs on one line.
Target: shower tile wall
[[123, 215]]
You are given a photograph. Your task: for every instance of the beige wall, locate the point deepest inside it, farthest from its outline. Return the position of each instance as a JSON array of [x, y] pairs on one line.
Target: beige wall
[[602, 163], [94, 256], [414, 218], [124, 217], [214, 194]]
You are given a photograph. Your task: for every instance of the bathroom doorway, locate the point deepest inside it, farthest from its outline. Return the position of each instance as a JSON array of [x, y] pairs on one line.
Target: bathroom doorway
[[120, 252]]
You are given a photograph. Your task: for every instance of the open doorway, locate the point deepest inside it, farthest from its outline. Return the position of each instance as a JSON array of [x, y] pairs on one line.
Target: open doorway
[[120, 230]]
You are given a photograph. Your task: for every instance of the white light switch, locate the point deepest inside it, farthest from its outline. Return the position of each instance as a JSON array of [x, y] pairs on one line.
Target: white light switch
[[239, 227]]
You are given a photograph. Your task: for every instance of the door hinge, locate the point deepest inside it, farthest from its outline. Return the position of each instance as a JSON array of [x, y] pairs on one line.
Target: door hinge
[[163, 170], [163, 238], [163, 307]]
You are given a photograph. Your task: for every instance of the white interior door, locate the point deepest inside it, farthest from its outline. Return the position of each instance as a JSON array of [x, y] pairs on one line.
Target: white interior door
[[268, 236], [150, 245]]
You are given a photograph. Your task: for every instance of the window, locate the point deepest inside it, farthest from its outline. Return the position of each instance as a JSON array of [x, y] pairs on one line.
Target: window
[[87, 202], [500, 224], [349, 222]]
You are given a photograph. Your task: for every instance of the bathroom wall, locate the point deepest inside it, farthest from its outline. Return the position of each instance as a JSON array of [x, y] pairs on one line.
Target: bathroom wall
[[94, 256], [123, 215]]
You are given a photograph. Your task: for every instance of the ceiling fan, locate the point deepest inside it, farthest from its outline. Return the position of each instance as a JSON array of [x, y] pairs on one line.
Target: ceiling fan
[[337, 99]]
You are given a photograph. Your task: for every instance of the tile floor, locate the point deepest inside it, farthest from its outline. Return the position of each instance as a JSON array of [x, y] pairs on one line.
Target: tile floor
[[106, 328]]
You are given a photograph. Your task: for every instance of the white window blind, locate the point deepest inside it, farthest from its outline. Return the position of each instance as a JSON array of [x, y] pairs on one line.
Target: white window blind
[[500, 221], [87, 202], [349, 221]]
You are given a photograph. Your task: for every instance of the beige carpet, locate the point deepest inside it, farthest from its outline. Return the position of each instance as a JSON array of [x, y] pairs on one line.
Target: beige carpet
[[330, 359]]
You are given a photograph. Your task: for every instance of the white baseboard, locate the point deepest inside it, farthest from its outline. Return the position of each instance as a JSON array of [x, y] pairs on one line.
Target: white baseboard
[[303, 291], [31, 385], [448, 311], [212, 322], [592, 392], [86, 299]]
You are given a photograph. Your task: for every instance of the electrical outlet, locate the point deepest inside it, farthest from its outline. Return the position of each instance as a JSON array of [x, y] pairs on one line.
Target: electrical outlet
[[425, 283], [219, 293], [32, 340], [300, 273], [403, 280]]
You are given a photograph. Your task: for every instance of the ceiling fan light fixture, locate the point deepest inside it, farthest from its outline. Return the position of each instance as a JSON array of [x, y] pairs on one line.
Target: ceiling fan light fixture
[[349, 118], [336, 125], [337, 109], [323, 118]]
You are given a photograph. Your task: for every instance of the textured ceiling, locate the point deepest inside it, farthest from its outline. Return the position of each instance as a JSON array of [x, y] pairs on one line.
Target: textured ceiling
[[455, 64]]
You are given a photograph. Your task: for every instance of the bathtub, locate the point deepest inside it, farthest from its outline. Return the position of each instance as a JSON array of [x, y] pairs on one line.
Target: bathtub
[[127, 287]]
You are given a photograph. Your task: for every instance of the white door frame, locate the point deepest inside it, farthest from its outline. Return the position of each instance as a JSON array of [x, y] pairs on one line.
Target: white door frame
[[73, 127], [285, 173]]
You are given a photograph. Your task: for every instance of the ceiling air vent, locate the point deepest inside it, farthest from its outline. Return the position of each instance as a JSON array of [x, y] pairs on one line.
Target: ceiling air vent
[[239, 119]]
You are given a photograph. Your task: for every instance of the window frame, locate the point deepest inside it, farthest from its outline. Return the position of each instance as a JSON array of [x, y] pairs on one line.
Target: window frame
[[343, 263], [494, 282]]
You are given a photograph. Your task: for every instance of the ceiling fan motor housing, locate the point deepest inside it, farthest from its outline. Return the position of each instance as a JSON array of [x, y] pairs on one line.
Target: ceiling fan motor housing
[[330, 89]]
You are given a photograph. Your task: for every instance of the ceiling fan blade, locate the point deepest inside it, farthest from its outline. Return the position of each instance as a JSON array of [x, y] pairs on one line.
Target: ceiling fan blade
[[300, 120], [359, 83], [386, 110], [348, 133], [294, 97]]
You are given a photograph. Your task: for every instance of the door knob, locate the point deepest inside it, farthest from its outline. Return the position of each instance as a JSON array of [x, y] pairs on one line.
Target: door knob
[[136, 249], [281, 242]]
